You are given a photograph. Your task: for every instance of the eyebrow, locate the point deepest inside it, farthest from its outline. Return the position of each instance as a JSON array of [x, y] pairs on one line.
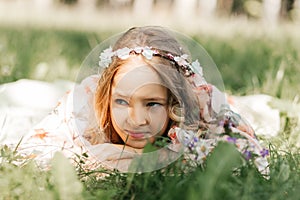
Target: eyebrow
[[150, 98], [161, 99]]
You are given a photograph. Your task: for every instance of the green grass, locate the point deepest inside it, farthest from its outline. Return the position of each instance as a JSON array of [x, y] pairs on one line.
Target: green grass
[[43, 54], [248, 64], [252, 64], [223, 176]]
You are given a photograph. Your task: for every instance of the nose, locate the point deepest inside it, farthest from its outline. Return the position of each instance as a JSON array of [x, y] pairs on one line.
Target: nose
[[138, 116]]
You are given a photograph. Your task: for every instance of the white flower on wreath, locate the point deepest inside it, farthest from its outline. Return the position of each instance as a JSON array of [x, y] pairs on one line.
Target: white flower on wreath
[[123, 53], [181, 60], [147, 53], [105, 57], [197, 67], [138, 49]]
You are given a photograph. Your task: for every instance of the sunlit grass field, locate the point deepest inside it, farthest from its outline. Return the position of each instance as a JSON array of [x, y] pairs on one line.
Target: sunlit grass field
[[249, 64]]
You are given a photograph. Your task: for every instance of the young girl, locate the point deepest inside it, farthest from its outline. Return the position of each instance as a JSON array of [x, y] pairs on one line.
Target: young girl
[[149, 91]]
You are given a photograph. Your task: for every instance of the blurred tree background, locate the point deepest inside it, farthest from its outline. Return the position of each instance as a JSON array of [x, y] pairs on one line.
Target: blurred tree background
[[253, 42]]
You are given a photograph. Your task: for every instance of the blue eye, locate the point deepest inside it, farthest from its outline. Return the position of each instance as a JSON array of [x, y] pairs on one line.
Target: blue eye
[[152, 104], [121, 102]]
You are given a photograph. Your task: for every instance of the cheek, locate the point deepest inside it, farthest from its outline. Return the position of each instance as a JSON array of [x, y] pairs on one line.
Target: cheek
[[159, 117], [119, 115], [160, 111]]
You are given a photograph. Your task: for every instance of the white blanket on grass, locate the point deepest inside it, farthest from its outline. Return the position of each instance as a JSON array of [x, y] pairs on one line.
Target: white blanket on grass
[[26, 102]]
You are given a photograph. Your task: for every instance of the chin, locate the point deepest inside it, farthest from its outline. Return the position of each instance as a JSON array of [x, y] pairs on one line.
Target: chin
[[137, 144]]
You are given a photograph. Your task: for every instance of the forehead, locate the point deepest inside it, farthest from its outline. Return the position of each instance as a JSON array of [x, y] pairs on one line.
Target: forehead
[[134, 73]]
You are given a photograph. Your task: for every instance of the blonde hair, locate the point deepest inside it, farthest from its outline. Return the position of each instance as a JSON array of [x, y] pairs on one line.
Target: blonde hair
[[181, 98]]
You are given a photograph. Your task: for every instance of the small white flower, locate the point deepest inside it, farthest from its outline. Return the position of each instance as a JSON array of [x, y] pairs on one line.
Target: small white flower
[[204, 147], [147, 53], [199, 80], [181, 60], [105, 57], [197, 67], [123, 53], [138, 49]]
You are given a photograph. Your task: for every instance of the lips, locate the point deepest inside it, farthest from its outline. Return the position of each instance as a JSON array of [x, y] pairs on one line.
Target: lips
[[137, 134]]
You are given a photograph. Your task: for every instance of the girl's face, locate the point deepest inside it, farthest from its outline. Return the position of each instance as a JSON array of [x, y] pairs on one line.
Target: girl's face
[[138, 103]]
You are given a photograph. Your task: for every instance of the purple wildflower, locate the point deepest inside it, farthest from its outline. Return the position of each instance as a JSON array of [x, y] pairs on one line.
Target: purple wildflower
[[247, 155], [191, 145], [231, 140], [264, 152], [196, 139]]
